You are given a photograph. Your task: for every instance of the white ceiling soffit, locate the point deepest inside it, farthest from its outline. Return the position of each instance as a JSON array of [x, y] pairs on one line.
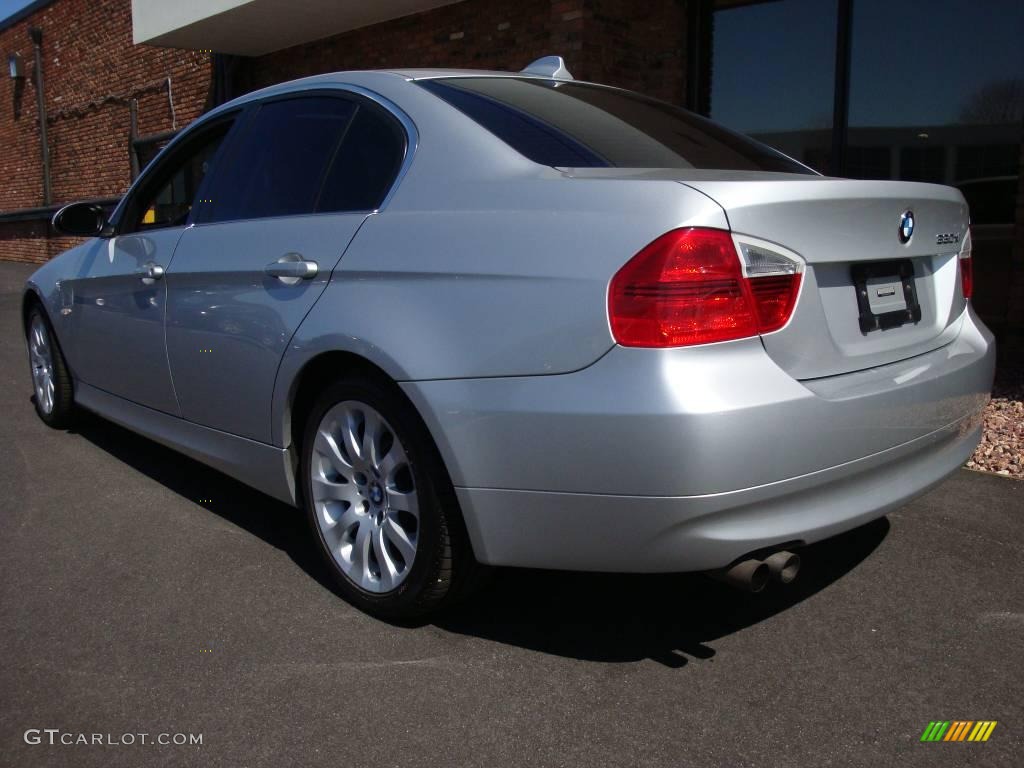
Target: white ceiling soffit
[[256, 27]]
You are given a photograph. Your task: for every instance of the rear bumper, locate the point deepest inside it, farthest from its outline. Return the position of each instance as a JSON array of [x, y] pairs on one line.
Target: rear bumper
[[651, 534], [685, 459]]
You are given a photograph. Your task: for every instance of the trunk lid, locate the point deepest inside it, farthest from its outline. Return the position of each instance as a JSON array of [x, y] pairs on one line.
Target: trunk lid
[[847, 231]]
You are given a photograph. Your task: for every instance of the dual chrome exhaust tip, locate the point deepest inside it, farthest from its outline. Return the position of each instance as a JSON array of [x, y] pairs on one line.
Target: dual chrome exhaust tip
[[753, 574]]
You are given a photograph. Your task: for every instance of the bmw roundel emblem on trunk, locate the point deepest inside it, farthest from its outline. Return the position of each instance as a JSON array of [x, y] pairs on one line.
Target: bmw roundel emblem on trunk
[[906, 226]]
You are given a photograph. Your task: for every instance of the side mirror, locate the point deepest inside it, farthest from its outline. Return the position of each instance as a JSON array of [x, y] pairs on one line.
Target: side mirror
[[81, 220]]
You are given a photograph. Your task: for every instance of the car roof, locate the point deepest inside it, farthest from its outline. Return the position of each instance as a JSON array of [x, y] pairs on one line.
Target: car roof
[[365, 78], [427, 74]]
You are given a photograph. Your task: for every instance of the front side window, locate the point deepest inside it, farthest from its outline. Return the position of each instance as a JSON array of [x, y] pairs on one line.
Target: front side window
[[168, 196], [569, 124]]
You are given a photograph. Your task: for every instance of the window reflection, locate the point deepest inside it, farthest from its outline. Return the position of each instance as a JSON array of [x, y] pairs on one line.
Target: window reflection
[[943, 94], [948, 105], [772, 74]]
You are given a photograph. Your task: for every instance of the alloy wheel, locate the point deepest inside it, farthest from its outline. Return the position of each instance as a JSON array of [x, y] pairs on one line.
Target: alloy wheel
[[41, 360], [364, 496]]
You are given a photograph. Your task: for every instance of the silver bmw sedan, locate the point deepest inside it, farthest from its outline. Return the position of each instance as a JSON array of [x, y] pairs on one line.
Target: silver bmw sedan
[[467, 319]]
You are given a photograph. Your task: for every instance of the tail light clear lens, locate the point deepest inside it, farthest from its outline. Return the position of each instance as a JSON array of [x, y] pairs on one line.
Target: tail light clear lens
[[774, 281], [697, 286], [966, 267]]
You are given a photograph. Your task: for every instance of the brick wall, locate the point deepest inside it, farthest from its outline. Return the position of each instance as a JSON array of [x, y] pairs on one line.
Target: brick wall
[[91, 71], [31, 241], [480, 34], [634, 44]]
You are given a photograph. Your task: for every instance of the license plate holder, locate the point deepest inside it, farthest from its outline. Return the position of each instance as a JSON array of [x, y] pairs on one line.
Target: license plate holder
[[886, 294]]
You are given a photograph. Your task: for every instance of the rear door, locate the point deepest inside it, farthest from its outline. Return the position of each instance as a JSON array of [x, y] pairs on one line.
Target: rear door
[[302, 176], [119, 295]]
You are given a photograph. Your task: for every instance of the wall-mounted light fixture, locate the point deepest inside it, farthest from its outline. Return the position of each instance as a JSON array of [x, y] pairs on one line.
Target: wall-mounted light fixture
[[14, 67]]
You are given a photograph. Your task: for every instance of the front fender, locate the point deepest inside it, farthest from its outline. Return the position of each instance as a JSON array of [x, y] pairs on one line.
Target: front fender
[[52, 285]]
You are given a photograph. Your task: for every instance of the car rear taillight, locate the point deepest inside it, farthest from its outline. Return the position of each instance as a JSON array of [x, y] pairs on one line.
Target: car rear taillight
[[697, 286], [966, 267]]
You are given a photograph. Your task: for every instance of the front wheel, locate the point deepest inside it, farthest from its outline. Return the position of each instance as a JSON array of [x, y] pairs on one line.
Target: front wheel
[[51, 382], [380, 504]]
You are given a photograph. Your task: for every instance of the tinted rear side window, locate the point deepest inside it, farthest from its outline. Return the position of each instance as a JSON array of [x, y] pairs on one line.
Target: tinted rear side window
[[365, 165], [568, 124], [279, 162]]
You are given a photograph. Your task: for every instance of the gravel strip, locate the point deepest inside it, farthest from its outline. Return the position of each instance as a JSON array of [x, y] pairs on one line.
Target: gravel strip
[[1002, 446]]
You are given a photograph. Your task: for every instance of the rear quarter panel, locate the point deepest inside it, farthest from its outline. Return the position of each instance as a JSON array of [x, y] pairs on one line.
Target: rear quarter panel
[[492, 278]]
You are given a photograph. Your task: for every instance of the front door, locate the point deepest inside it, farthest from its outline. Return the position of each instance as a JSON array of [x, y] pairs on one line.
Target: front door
[[119, 295], [117, 320]]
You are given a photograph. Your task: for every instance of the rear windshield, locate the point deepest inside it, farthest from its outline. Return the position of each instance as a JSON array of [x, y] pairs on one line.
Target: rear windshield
[[574, 125]]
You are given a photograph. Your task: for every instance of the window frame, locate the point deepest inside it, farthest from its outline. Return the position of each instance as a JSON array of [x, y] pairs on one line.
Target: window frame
[[362, 98], [167, 162]]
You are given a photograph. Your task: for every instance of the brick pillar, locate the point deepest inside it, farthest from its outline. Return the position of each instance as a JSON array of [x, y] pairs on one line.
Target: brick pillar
[[635, 44], [567, 32]]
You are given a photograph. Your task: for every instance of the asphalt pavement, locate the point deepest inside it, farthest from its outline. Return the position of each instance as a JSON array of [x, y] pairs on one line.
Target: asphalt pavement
[[141, 592]]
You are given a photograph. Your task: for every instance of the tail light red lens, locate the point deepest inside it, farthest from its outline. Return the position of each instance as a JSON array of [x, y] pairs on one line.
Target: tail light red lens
[[689, 287], [967, 276], [967, 268]]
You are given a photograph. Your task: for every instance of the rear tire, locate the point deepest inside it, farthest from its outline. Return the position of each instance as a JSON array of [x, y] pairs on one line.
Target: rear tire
[[379, 502], [53, 393]]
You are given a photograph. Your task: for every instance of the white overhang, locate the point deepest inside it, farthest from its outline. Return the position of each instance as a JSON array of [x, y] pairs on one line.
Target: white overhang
[[256, 27]]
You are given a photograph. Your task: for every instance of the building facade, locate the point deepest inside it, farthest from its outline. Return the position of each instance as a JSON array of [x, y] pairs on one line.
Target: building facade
[[834, 83], [94, 79]]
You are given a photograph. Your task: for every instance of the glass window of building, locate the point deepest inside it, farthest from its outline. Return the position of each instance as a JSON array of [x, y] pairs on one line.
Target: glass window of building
[[943, 93], [772, 74]]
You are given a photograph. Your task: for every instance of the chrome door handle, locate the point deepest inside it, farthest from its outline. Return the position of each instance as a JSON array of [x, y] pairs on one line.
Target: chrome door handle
[[291, 268], [150, 272]]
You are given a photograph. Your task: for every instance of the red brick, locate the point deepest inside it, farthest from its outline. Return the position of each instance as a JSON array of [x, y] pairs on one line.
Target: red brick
[[91, 70]]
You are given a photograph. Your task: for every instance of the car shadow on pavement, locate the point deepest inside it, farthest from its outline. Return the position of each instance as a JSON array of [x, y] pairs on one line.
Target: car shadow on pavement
[[596, 617], [271, 520], [669, 618]]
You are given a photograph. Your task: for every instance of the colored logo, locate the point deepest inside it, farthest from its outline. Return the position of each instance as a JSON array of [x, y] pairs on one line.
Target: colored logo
[[958, 730], [906, 226]]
